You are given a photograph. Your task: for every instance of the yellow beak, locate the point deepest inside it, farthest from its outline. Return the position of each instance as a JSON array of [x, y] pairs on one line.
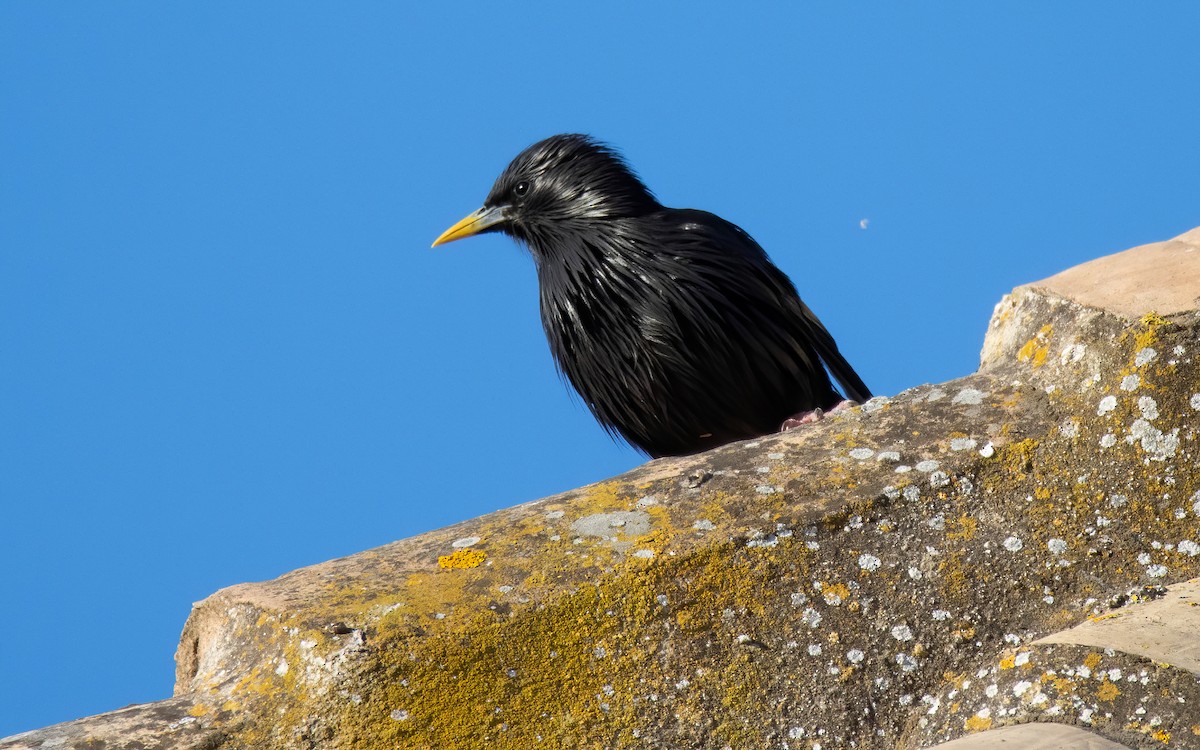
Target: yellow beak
[[473, 224]]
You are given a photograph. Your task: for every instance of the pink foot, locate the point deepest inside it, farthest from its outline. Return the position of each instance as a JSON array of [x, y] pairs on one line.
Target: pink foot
[[816, 415]]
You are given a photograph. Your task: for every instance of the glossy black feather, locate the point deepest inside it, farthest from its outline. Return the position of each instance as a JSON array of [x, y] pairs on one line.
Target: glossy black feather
[[672, 324]]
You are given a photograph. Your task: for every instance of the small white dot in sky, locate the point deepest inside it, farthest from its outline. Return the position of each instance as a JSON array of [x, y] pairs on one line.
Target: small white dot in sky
[[863, 224]]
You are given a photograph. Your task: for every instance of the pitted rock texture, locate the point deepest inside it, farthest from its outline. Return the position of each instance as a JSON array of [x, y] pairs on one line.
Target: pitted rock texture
[[876, 580]]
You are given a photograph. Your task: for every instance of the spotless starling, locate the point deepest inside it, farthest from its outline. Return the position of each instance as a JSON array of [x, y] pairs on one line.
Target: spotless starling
[[671, 323]]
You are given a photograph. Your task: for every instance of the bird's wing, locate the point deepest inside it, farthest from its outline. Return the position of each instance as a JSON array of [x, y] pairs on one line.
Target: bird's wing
[[749, 273], [852, 385]]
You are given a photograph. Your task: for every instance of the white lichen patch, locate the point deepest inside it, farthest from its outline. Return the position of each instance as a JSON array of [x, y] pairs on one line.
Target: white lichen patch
[[466, 541], [1013, 544], [607, 525], [1148, 407], [890, 457], [869, 562], [940, 615], [1188, 547], [1072, 353], [902, 632], [1108, 440], [704, 525], [875, 404], [1131, 382], [969, 397], [861, 454], [399, 714], [1157, 444], [765, 541], [1106, 405], [855, 656], [1069, 428], [939, 479], [1144, 356], [962, 443], [1057, 546], [1194, 401], [927, 466], [812, 618]]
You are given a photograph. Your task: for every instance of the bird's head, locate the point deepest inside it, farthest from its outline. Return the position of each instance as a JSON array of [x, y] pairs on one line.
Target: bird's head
[[562, 181]]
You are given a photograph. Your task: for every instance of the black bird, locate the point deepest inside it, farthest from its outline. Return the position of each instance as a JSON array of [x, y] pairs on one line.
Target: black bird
[[672, 324]]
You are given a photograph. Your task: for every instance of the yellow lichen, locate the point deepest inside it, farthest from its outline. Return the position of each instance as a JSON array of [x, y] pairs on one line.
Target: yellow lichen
[[977, 723], [199, 709], [1035, 349], [1150, 323], [966, 528], [1092, 660], [463, 558], [1107, 692], [586, 644], [835, 593]]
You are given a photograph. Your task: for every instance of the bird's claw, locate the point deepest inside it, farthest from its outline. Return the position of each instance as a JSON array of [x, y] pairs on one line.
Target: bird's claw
[[816, 415]]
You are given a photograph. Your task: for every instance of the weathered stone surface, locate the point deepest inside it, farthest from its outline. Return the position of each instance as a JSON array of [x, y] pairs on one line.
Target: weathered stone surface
[[879, 579], [1119, 693], [1165, 630], [1131, 282], [1033, 737], [171, 724]]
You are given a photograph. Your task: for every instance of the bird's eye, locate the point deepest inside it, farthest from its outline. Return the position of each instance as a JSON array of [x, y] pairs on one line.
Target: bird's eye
[[521, 188]]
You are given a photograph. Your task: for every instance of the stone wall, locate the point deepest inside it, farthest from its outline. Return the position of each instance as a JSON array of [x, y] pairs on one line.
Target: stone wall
[[1001, 559]]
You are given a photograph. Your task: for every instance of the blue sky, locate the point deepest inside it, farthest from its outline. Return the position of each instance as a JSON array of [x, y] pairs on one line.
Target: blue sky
[[227, 350]]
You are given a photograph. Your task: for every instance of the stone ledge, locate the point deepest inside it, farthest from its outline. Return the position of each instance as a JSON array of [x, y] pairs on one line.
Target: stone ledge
[[172, 724], [1164, 630], [837, 584], [1131, 282], [1033, 737]]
